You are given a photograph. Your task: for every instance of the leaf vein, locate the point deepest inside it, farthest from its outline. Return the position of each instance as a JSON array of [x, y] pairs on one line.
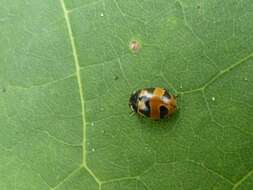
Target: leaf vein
[[229, 68], [218, 75], [237, 184], [57, 139], [119, 179], [78, 75], [42, 84], [67, 177], [202, 165], [80, 85]]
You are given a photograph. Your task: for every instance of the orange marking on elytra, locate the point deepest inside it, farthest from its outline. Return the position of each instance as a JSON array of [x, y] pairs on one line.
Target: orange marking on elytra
[[155, 103]]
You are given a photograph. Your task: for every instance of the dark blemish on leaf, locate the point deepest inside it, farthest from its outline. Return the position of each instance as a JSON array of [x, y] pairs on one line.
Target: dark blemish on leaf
[[3, 89], [198, 6], [115, 77], [135, 46]]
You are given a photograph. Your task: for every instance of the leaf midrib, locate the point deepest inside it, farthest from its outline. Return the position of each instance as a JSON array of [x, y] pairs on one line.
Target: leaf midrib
[[80, 86]]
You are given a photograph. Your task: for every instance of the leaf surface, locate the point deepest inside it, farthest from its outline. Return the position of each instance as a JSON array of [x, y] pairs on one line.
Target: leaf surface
[[66, 72]]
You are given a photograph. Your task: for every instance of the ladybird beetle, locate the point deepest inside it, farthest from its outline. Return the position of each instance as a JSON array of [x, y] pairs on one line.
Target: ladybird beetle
[[155, 103]]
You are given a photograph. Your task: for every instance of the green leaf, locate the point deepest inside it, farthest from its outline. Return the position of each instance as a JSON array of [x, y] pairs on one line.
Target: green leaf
[[67, 68]]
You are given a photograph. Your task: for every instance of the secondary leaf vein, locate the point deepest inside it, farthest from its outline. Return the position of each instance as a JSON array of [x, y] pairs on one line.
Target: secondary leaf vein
[[242, 179], [222, 72], [67, 177]]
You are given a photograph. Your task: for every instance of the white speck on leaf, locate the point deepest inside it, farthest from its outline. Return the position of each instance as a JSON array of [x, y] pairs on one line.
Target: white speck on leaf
[[102, 14], [93, 149], [92, 124], [213, 98]]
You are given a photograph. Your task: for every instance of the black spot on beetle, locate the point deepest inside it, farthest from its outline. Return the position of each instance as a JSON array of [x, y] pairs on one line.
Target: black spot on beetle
[[167, 94], [147, 105], [133, 101], [145, 112], [163, 111]]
